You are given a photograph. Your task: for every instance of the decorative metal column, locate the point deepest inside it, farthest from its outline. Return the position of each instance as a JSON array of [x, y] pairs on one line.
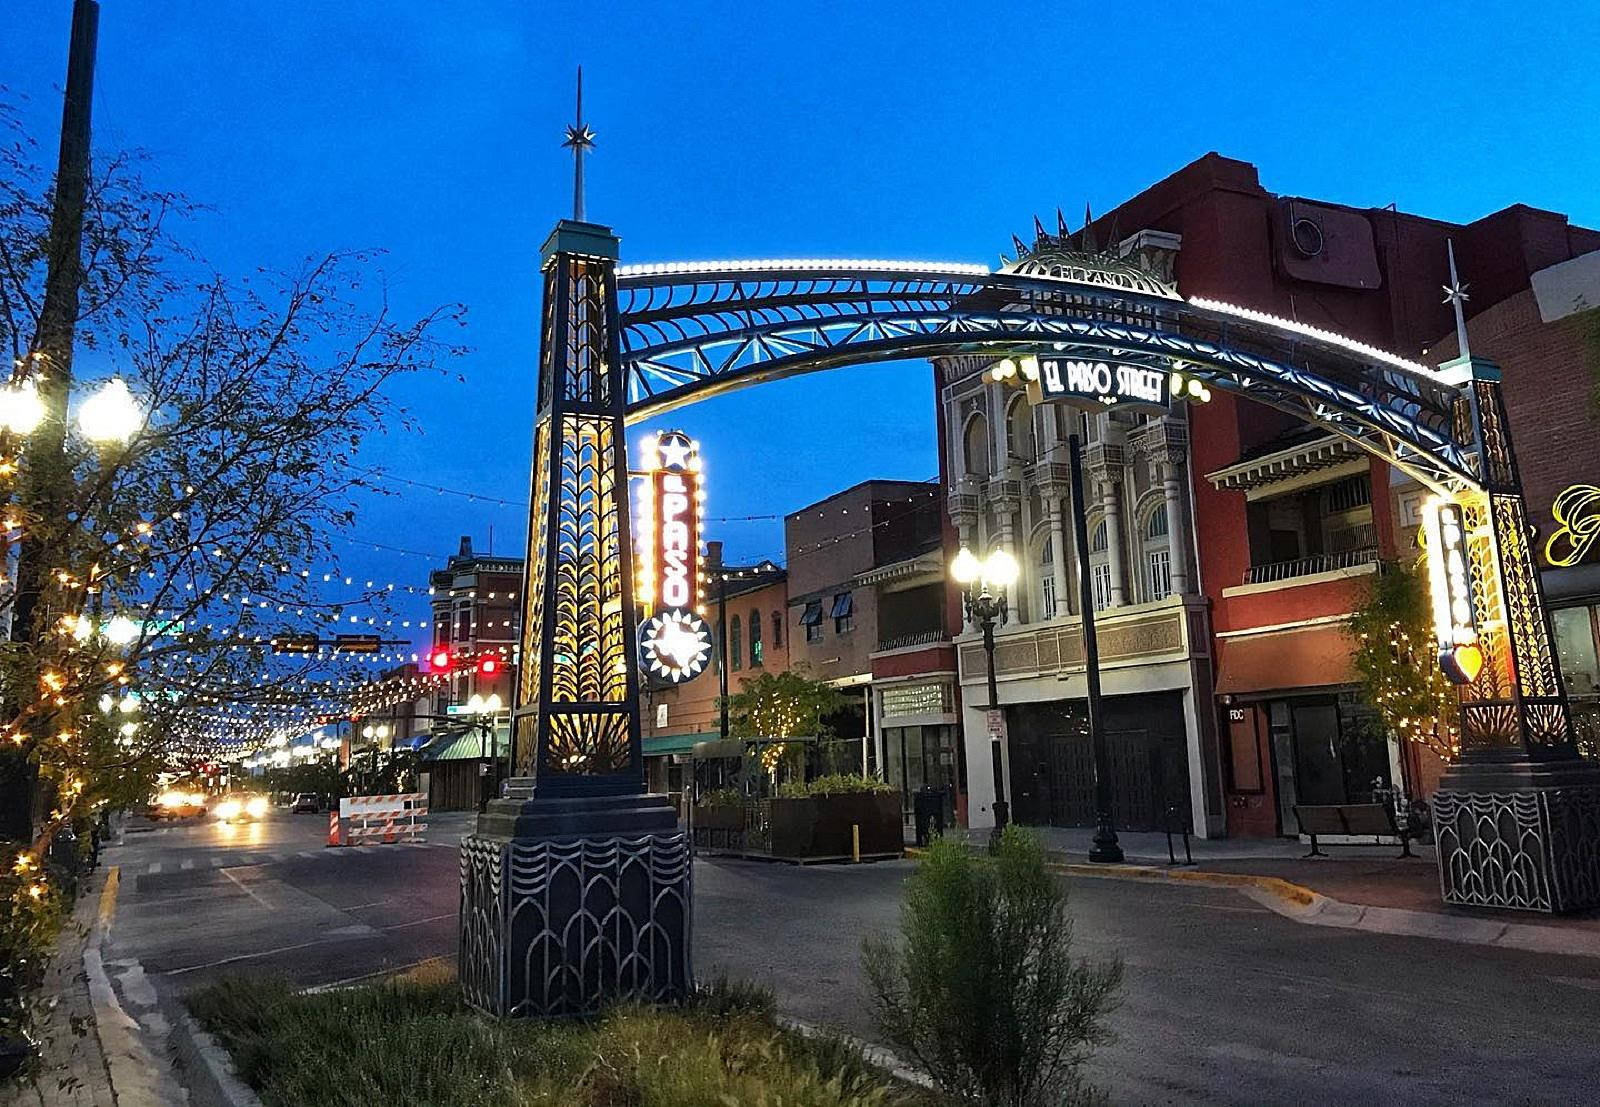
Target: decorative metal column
[[575, 889], [1517, 816]]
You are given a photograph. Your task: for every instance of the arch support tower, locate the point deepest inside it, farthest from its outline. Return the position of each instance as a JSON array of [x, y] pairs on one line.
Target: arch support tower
[[575, 889]]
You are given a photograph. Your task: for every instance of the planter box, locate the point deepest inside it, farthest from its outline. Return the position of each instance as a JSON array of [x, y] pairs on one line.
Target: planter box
[[819, 827], [719, 829]]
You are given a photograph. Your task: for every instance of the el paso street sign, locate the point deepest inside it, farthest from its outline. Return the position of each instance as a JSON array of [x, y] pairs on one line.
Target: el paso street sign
[[1100, 384]]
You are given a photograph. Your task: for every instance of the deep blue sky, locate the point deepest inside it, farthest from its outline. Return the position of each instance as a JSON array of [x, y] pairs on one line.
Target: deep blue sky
[[744, 129]]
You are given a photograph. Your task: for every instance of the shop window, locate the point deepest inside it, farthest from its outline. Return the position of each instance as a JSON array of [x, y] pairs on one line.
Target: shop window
[[1575, 645]]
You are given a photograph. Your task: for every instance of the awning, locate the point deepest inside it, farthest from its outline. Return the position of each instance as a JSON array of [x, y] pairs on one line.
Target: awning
[[468, 745], [1314, 657], [812, 614], [659, 745], [843, 605]]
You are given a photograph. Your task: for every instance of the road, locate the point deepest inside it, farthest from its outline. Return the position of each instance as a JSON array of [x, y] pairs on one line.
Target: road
[[1224, 1001]]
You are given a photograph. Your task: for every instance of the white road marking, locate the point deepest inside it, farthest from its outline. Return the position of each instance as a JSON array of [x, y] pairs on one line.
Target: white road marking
[[419, 922], [186, 863], [246, 890], [155, 867], [339, 935]]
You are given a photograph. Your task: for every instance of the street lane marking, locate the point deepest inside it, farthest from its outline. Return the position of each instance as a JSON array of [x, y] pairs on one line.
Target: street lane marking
[[419, 922], [355, 932], [188, 863], [227, 873]]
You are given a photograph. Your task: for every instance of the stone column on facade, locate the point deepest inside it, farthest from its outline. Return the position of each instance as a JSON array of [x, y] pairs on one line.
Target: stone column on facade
[[963, 509], [1053, 495], [1177, 523], [1005, 501], [1111, 501]]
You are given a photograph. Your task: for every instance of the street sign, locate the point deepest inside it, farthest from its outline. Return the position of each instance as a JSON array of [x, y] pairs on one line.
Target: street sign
[[997, 724], [1101, 384], [357, 643]]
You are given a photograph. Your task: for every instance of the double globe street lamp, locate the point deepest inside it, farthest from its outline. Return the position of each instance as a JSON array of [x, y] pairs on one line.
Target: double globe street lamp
[[109, 416], [983, 596]]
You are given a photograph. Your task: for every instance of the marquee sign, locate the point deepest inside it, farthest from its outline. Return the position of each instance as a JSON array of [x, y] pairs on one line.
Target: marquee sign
[[1455, 623], [1099, 384], [1576, 512], [674, 642]]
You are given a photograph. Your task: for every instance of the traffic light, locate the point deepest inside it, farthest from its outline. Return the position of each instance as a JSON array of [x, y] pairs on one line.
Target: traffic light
[[440, 660], [488, 666]]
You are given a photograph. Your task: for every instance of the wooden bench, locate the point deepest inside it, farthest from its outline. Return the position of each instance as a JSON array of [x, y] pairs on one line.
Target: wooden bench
[[1376, 819]]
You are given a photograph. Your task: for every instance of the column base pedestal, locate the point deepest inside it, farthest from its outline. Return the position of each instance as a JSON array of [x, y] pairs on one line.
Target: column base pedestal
[[569, 904], [1519, 834]]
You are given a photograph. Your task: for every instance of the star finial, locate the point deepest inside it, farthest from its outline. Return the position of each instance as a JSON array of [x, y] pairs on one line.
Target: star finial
[[1455, 294], [579, 139]]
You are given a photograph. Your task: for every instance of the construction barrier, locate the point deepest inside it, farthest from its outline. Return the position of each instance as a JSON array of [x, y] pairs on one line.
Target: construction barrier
[[367, 820], [335, 829]]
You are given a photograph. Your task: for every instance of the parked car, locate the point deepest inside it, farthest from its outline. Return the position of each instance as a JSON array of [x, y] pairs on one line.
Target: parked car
[[306, 803]]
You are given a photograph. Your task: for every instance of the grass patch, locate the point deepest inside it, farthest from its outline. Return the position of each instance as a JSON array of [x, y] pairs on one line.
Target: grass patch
[[412, 1040]]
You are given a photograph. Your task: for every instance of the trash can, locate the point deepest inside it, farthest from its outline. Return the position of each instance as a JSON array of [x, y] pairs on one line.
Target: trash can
[[927, 807]]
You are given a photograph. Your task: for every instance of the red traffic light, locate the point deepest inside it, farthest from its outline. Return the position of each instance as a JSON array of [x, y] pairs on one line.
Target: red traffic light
[[488, 666], [439, 661]]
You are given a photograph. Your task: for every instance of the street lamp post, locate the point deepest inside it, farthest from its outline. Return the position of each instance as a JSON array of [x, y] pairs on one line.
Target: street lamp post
[[1105, 848], [983, 594]]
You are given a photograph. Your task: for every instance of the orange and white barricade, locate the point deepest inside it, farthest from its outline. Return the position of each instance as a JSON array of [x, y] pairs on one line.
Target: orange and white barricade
[[383, 819], [336, 830]]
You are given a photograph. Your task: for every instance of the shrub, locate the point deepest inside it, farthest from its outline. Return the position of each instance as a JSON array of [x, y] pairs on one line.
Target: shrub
[[838, 784], [721, 797], [981, 990]]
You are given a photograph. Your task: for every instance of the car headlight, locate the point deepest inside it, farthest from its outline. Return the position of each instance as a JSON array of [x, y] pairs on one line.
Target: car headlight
[[229, 809], [172, 799], [197, 799], [257, 807]]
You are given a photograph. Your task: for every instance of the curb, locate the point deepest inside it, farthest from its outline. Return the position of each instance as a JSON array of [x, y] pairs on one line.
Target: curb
[[212, 1081], [1312, 908]]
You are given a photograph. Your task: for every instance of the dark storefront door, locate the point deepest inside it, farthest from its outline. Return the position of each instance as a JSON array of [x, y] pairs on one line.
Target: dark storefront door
[[1052, 765]]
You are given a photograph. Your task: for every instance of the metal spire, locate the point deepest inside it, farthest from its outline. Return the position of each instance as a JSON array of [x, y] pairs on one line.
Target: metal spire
[[579, 138], [1455, 294]]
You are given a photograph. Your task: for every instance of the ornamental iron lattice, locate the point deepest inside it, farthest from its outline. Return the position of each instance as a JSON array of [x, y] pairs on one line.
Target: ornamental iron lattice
[[1532, 850], [562, 928]]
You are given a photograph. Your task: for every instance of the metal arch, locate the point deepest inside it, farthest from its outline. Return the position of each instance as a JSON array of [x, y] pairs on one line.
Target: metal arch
[[686, 335]]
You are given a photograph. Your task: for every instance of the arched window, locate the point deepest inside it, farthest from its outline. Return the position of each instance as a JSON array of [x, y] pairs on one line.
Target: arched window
[[755, 639], [1157, 555], [777, 630], [976, 447], [1100, 565], [1019, 429], [735, 645], [1047, 578]]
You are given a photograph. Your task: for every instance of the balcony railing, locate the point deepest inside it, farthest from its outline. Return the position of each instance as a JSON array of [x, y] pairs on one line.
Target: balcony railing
[[915, 638], [1308, 566]]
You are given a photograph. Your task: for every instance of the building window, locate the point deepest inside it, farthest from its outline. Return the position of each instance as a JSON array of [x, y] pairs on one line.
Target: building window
[[777, 630], [1100, 577], [735, 647], [1350, 493], [1047, 578], [1158, 555], [843, 613], [975, 447], [1097, 542], [755, 639], [811, 619], [1019, 430]]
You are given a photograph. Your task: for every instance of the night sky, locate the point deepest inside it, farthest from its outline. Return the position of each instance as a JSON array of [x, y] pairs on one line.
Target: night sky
[[929, 131]]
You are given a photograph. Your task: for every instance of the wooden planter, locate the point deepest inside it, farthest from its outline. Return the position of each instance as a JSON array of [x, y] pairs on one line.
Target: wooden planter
[[719, 829], [819, 828]]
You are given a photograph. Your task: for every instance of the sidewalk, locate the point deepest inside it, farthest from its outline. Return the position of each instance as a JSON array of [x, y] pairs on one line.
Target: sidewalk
[[1368, 888]]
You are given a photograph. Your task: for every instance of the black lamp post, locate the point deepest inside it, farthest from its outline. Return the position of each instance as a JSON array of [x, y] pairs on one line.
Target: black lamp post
[[983, 595]]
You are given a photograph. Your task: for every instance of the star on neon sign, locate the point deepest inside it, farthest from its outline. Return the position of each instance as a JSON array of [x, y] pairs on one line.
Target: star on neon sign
[[674, 450], [675, 645]]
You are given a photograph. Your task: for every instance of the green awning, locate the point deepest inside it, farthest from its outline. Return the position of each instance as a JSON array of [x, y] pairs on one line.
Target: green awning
[[662, 744], [469, 745]]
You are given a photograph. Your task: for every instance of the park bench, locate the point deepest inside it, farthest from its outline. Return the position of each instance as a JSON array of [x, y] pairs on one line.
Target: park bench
[[1356, 819]]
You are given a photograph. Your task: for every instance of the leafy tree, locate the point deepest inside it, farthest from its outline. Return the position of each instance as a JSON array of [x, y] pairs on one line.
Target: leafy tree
[[981, 989], [1396, 660], [789, 704], [155, 572]]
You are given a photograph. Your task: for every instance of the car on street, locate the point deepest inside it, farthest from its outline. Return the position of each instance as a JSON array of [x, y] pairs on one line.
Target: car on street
[[305, 803], [178, 803], [241, 807]]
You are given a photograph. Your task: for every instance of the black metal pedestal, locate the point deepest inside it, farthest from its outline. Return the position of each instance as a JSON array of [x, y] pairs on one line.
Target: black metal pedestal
[[1519, 834], [568, 904]]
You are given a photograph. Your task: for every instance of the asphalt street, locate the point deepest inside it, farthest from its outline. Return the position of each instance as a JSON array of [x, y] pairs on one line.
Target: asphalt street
[[1224, 1001]]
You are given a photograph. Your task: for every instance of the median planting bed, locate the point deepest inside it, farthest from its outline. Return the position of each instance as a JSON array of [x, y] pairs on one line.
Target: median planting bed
[[413, 1040]]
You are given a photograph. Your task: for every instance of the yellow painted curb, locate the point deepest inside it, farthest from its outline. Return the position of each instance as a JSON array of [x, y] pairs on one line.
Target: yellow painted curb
[[108, 902], [1272, 885]]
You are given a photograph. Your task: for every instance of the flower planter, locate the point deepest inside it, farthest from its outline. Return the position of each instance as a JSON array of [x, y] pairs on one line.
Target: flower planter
[[819, 828], [719, 829]]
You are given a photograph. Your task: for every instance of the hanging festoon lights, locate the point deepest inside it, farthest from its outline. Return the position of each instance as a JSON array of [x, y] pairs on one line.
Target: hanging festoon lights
[[674, 641]]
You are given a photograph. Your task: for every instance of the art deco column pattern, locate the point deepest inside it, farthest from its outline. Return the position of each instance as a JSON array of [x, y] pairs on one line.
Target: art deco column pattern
[[577, 725]]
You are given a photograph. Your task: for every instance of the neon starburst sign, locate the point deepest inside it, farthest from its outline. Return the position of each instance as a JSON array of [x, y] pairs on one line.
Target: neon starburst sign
[[674, 642], [675, 645]]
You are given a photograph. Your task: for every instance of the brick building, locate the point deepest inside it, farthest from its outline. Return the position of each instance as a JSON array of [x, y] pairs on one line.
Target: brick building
[[1229, 542]]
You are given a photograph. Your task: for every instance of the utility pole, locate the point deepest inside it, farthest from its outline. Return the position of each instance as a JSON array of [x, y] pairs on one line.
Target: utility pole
[[49, 366]]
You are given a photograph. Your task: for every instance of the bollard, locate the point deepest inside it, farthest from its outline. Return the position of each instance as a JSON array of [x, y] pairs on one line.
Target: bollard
[[855, 842]]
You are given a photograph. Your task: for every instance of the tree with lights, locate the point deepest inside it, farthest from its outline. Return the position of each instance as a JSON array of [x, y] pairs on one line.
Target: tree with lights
[[782, 705], [160, 520], [1396, 661]]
